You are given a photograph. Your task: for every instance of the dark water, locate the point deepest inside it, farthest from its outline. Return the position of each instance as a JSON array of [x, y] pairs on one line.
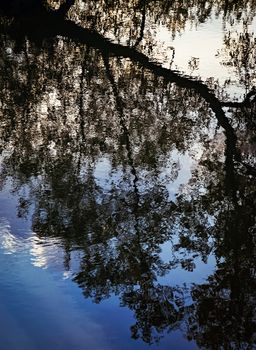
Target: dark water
[[128, 168]]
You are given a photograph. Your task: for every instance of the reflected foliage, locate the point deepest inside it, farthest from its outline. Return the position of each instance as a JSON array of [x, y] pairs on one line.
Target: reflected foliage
[[224, 310], [118, 156]]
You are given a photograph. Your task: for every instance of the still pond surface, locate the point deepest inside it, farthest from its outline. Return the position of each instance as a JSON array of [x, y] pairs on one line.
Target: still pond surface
[[127, 176]]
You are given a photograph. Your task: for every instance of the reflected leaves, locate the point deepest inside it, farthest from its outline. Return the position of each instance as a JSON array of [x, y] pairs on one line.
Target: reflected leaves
[[98, 142]]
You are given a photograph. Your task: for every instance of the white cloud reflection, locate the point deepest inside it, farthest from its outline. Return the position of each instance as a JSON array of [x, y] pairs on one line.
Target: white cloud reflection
[[42, 252]]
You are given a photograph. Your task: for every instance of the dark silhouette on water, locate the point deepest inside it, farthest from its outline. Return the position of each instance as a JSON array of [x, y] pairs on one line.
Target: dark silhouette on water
[[111, 101]]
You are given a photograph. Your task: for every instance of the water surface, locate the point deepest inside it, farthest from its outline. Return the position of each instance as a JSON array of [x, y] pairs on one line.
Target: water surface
[[127, 140]]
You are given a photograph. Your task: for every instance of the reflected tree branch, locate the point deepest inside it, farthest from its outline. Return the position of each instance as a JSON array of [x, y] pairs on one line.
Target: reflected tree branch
[[81, 99], [67, 28], [248, 100], [126, 134], [65, 7]]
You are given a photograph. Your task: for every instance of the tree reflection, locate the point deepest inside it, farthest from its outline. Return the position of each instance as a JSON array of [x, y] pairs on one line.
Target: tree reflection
[[222, 316], [78, 106], [225, 306]]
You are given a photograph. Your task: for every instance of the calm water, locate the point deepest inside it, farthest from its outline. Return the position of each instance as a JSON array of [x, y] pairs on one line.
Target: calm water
[[127, 176]]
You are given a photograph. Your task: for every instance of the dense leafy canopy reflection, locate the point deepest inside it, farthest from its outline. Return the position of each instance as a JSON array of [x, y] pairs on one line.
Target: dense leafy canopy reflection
[[101, 143]]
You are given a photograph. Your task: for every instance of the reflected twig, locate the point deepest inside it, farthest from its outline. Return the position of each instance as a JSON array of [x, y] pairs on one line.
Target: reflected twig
[[142, 25]]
